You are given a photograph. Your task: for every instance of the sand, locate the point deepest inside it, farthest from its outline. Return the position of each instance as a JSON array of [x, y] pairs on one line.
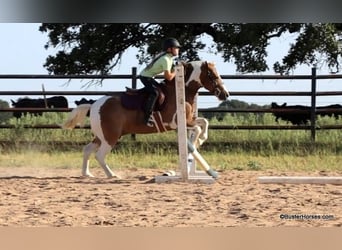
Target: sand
[[31, 197]]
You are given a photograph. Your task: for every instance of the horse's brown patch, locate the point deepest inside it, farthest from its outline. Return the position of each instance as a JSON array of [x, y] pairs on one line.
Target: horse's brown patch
[[110, 113], [205, 68]]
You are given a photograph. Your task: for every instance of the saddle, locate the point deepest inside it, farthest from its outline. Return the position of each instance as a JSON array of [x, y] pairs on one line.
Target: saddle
[[135, 99]]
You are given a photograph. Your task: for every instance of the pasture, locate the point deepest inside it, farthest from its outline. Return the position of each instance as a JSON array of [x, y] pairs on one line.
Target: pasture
[[40, 170]]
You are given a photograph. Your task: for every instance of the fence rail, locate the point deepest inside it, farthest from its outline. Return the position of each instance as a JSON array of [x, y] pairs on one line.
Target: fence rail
[[133, 76]]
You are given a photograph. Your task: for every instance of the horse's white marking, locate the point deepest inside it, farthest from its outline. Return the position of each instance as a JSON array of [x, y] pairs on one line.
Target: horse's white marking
[[87, 151], [224, 88], [195, 75], [105, 147], [95, 119], [198, 134], [203, 135], [173, 123]]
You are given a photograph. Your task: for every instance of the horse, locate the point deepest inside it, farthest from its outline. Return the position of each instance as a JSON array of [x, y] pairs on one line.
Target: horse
[[114, 116]]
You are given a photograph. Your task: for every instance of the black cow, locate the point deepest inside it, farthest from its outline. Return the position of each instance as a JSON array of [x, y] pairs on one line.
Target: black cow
[[84, 101], [298, 114], [336, 113], [52, 102]]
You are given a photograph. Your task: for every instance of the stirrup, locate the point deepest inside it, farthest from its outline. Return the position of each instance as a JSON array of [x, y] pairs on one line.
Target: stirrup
[[150, 122]]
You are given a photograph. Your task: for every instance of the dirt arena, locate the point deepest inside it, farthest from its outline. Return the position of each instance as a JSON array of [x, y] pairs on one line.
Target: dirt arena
[[60, 198]]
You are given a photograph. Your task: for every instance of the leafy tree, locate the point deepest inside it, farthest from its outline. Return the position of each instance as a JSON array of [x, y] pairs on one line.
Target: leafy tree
[[97, 48], [231, 105], [4, 116]]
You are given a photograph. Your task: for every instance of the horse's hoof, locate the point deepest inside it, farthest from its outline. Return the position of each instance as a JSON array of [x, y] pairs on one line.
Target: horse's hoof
[[88, 176], [115, 176], [169, 173]]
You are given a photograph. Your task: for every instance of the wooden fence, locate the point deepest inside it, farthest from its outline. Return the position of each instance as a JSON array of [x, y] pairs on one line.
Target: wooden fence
[[134, 77]]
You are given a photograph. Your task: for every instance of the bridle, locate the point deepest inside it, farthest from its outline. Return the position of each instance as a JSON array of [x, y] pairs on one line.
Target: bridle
[[213, 80]]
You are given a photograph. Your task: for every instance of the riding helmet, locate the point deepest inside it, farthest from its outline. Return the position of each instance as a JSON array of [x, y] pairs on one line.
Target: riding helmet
[[170, 42]]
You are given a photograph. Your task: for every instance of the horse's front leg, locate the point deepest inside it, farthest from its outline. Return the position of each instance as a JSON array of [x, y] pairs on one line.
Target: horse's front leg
[[198, 133], [197, 126], [204, 125]]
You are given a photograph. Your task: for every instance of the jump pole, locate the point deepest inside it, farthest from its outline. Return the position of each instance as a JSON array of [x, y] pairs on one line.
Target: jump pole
[[187, 172], [335, 180]]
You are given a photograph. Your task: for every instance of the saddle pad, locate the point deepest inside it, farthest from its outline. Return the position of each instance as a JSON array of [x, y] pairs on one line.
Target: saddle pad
[[135, 102]]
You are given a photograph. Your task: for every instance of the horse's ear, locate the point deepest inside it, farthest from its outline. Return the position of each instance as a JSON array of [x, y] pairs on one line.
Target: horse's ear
[[183, 63], [13, 102]]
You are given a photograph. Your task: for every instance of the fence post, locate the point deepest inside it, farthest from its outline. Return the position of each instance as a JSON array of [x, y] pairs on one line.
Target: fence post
[[134, 77], [313, 104], [134, 86]]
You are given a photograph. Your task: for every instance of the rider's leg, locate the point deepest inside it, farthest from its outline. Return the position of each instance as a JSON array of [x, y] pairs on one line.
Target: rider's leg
[[151, 100], [150, 87]]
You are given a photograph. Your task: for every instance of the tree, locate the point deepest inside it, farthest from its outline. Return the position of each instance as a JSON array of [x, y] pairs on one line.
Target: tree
[[97, 48], [4, 116]]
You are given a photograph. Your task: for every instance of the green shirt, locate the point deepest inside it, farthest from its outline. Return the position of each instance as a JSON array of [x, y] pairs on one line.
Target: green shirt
[[158, 66]]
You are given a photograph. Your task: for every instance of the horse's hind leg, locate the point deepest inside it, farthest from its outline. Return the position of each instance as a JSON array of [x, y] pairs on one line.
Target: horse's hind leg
[[100, 157], [87, 151]]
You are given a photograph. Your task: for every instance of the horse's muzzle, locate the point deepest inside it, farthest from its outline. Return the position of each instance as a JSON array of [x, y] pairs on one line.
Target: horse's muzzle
[[222, 95]]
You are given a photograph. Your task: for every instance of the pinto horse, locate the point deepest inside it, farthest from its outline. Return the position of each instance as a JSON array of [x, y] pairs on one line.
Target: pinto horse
[[110, 118]]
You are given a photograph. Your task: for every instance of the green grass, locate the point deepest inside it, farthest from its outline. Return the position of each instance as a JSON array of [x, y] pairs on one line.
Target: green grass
[[223, 162], [255, 150]]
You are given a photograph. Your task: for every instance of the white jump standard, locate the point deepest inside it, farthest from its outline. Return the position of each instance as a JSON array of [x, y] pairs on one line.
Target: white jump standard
[[186, 149], [201, 160]]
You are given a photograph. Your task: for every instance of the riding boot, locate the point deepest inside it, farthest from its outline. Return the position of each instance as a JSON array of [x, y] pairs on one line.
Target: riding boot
[[151, 100]]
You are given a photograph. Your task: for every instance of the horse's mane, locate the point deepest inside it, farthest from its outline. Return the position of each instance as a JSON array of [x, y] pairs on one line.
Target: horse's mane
[[188, 69]]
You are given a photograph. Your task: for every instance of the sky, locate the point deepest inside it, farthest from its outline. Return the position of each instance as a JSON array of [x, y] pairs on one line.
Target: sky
[[22, 52]]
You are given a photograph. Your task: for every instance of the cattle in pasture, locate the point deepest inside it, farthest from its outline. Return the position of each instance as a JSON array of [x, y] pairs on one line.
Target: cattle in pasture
[[296, 114], [324, 112], [51, 102], [299, 114], [84, 101]]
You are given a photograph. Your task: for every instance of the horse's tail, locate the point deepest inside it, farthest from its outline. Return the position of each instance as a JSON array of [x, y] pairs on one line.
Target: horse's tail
[[77, 116]]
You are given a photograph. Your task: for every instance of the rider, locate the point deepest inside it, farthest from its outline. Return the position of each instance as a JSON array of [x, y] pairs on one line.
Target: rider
[[162, 63]]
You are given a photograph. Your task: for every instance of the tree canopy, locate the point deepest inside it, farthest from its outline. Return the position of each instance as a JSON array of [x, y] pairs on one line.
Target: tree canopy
[[98, 48]]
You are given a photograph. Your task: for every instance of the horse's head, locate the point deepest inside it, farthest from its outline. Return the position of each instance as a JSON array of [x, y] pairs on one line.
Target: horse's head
[[204, 74]]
